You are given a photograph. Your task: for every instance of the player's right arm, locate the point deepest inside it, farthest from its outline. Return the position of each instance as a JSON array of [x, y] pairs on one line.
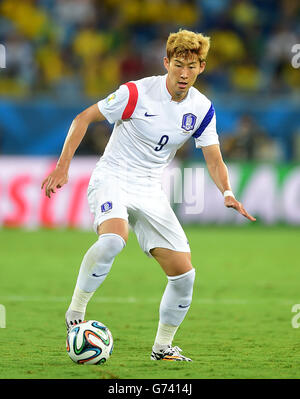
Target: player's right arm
[[59, 176]]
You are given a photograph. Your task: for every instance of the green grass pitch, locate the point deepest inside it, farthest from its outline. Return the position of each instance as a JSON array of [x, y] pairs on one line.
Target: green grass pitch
[[239, 324]]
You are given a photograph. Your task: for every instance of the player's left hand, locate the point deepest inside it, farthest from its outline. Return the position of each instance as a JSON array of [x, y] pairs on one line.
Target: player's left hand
[[231, 202], [56, 179]]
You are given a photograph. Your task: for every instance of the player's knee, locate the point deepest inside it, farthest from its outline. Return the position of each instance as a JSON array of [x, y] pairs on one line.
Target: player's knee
[[110, 245], [183, 285], [177, 298]]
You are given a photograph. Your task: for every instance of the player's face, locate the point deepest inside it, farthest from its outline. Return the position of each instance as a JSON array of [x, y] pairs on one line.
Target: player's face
[[182, 74]]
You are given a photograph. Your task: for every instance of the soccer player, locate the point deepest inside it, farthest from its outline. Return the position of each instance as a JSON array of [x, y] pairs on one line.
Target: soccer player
[[152, 117]]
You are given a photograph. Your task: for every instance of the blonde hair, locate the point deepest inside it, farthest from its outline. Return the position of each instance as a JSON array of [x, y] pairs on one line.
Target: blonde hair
[[185, 42]]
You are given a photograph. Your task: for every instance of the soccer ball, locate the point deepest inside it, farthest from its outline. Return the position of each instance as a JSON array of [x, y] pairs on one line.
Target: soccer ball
[[89, 342]]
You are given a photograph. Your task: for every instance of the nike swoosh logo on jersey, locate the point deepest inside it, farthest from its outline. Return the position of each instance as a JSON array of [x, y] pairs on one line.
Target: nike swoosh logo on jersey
[[146, 114]]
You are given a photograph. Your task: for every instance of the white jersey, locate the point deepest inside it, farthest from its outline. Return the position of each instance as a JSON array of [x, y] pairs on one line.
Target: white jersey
[[150, 127]]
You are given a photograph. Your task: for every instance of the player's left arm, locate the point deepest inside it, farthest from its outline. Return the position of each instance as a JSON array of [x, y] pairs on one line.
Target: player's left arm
[[219, 174]]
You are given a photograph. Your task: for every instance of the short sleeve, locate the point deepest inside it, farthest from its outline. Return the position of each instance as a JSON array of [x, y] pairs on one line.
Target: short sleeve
[[206, 134], [113, 106]]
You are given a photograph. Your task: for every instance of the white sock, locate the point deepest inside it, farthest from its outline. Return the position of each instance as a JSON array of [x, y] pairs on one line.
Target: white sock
[[94, 268], [98, 260], [173, 308], [177, 298], [80, 300], [164, 336]]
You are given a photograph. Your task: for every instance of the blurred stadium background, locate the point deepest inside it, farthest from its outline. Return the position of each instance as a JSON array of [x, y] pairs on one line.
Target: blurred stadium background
[[62, 56]]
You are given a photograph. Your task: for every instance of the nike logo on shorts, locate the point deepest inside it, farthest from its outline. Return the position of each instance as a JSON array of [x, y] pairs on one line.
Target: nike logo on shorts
[[184, 306]]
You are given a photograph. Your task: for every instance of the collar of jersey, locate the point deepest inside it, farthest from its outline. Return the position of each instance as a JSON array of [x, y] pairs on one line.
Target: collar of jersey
[[165, 93]]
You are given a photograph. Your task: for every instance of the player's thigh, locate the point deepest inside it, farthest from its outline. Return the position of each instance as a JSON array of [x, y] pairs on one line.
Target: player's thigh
[[160, 235], [107, 203], [172, 262], [114, 225]]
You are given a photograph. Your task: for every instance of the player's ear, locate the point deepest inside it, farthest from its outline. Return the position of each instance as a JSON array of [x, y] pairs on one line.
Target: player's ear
[[166, 63], [202, 66]]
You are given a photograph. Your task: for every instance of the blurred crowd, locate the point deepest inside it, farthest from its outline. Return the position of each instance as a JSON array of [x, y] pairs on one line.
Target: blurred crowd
[[67, 49], [70, 47]]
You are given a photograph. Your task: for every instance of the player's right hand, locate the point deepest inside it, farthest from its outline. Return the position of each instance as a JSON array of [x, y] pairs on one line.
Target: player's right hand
[[54, 180], [231, 202]]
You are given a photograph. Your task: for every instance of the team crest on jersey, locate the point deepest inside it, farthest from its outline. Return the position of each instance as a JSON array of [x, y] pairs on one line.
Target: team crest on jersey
[[188, 121], [107, 206]]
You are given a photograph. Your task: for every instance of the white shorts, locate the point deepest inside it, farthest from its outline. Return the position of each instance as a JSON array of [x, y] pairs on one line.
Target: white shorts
[[144, 206]]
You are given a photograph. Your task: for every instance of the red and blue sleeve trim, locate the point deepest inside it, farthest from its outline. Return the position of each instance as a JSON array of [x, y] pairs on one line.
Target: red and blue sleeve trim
[[206, 120], [132, 100]]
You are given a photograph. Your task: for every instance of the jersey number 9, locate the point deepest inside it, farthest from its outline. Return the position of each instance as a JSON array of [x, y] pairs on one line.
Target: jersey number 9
[[162, 142]]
